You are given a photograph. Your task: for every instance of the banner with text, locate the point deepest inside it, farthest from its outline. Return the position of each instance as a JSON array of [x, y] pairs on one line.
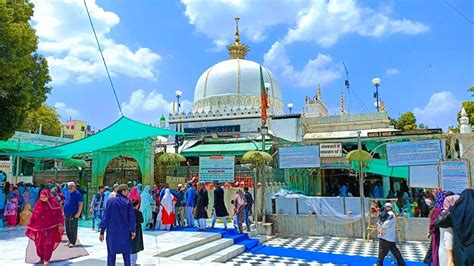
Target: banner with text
[[414, 153], [335, 163], [328, 150], [454, 176], [216, 168], [299, 157]]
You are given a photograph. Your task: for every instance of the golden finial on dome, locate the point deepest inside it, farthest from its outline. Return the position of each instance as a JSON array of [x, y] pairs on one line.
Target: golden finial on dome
[[382, 107], [343, 111], [318, 94], [237, 50]]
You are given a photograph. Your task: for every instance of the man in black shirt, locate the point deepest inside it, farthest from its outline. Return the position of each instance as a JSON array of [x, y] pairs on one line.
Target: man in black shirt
[[248, 207]]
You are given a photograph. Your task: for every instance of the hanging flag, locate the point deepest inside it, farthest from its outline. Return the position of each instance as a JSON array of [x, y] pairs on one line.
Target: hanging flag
[[263, 98]]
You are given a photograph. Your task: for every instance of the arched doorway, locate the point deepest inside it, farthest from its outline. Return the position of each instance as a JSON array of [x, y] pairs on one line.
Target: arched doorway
[[142, 152], [121, 170]]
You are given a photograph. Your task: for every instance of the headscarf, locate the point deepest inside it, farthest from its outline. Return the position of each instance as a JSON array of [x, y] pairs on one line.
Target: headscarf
[[167, 201], [134, 195], [46, 214], [140, 188], [239, 200], [450, 201], [440, 199], [27, 196], [147, 200]]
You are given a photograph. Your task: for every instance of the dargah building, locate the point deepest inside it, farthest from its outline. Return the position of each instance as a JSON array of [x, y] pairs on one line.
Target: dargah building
[[227, 101], [226, 119]]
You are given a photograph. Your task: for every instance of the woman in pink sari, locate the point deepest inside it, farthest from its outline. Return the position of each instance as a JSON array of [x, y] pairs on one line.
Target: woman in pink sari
[[46, 226]]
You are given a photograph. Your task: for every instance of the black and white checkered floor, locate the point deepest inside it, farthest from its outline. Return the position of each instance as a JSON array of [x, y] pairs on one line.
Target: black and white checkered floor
[[411, 250]]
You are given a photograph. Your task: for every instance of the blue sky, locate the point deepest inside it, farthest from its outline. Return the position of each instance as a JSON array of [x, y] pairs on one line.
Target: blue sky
[[421, 49]]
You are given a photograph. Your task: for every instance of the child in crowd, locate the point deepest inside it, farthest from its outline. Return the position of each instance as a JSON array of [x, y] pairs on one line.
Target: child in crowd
[[11, 212], [137, 242], [234, 217]]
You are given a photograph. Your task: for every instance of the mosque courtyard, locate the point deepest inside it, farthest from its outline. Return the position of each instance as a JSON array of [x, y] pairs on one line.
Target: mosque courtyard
[[189, 247]]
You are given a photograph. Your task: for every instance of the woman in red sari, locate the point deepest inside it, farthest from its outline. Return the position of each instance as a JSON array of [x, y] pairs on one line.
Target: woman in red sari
[[46, 226]]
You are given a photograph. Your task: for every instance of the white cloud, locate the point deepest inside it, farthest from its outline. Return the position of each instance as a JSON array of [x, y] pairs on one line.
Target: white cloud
[[67, 40], [327, 21], [440, 111], [392, 71], [321, 21], [65, 111], [319, 70], [214, 18], [149, 107]]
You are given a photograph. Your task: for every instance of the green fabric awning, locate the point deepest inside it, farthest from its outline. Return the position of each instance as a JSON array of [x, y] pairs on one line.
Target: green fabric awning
[[380, 167], [121, 131], [236, 149], [10, 146]]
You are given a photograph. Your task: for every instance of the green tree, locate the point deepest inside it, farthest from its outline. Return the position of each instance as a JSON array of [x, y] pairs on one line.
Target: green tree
[[24, 74], [45, 116], [405, 122]]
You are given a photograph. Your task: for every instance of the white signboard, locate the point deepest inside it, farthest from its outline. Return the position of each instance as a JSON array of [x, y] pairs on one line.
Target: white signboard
[[414, 153], [216, 168], [454, 176], [328, 150], [299, 157], [424, 176]]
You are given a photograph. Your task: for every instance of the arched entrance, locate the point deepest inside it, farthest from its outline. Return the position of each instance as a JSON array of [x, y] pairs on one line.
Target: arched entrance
[[121, 170], [142, 152]]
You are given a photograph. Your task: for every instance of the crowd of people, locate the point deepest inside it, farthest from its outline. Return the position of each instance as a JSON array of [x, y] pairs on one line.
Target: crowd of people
[[451, 230], [49, 211], [125, 211], [410, 202]]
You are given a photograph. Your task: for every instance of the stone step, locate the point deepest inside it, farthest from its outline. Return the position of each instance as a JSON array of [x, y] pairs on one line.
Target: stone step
[[186, 242], [205, 250], [223, 255]]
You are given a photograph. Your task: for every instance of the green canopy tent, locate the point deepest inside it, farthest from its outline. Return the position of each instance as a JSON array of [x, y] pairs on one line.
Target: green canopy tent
[[236, 149], [10, 146], [124, 137], [121, 131], [380, 167]]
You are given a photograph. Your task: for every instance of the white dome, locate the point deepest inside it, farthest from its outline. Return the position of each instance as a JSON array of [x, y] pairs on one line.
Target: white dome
[[234, 84]]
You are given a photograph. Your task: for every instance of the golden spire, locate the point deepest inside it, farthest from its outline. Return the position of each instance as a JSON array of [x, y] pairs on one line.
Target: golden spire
[[343, 111], [318, 94], [237, 50], [382, 107]]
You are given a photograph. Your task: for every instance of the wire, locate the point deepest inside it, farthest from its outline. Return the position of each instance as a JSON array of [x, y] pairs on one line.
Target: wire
[[103, 59], [459, 12]]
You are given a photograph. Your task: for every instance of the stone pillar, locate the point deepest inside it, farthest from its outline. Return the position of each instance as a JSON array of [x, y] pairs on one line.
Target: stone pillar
[[385, 185]]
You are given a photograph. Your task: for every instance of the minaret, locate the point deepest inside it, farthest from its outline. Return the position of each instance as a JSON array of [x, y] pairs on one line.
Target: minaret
[[464, 121], [343, 111], [237, 50], [162, 121], [318, 93], [464, 129]]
